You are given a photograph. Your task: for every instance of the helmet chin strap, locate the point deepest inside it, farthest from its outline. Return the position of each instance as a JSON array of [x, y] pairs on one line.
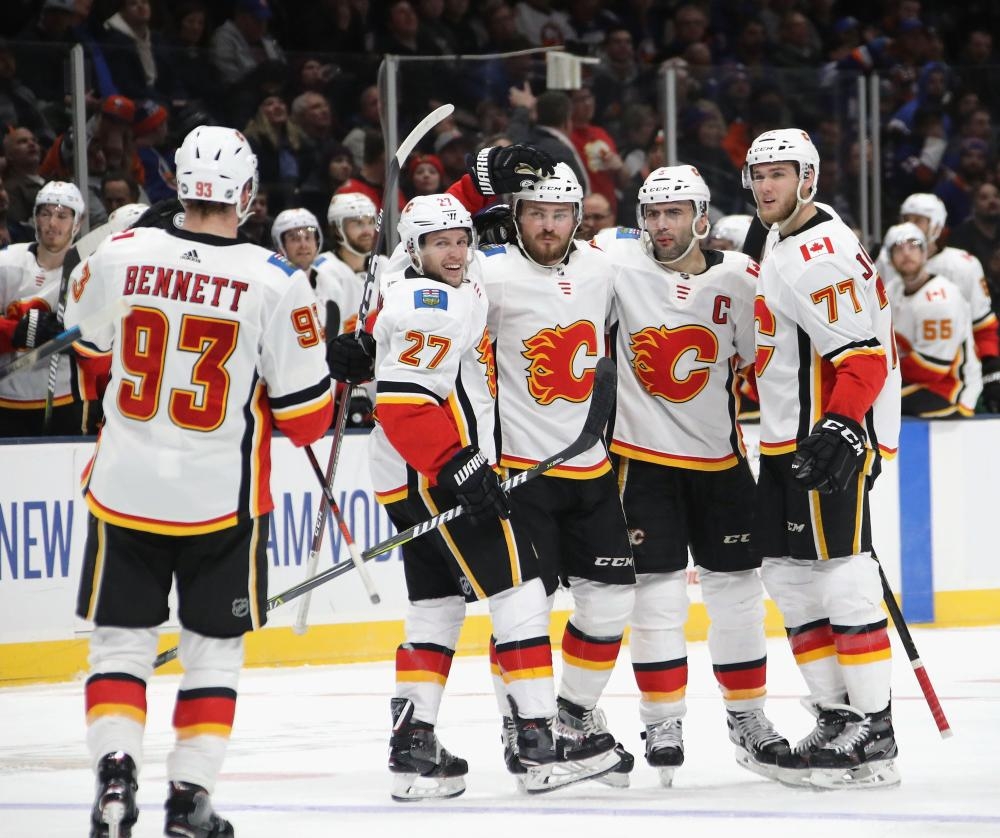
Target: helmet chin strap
[[345, 243], [783, 226], [696, 237]]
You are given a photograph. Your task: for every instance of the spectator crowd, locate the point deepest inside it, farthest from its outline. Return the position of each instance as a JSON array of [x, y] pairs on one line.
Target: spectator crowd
[[300, 79]]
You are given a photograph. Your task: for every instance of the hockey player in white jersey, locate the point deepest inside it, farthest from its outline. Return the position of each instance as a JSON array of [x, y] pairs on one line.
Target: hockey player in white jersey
[[30, 281], [683, 327], [549, 301], [941, 373], [220, 345], [351, 224], [828, 379], [928, 212], [434, 446], [729, 232]]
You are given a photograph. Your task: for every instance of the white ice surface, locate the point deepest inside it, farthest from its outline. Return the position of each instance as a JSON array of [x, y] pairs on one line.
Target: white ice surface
[[308, 754]]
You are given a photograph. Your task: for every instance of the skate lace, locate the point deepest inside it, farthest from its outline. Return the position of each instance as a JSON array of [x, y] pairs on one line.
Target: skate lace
[[665, 734], [594, 721], [853, 734], [818, 737], [757, 729]]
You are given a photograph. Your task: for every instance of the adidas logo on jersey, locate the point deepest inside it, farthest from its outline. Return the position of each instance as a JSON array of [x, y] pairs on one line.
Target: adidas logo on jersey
[[191, 256]]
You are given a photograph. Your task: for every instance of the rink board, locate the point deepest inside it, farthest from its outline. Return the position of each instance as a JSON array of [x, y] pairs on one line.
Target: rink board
[[933, 505]]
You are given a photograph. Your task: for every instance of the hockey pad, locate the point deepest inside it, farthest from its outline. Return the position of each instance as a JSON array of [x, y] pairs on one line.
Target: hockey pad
[[475, 484], [991, 384], [829, 458], [495, 225], [601, 610], [497, 169]]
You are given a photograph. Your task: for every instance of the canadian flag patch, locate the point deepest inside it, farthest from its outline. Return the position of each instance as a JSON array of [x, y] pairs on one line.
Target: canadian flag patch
[[816, 247]]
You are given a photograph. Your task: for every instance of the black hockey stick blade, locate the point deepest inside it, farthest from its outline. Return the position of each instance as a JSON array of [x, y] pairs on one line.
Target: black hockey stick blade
[[601, 403]]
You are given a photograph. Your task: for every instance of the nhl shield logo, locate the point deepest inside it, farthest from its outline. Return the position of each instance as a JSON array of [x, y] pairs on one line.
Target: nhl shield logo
[[241, 607]]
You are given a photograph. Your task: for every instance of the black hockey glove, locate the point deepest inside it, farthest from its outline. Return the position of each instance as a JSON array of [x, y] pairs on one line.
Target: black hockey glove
[[35, 328], [166, 214], [991, 384], [350, 359], [830, 456], [499, 169], [475, 484], [495, 225]]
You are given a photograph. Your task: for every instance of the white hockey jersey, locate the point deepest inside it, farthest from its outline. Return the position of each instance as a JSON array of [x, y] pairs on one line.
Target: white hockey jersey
[[819, 303], [337, 283], [963, 270], [936, 347], [549, 327], [24, 284], [678, 341], [432, 349], [222, 342]]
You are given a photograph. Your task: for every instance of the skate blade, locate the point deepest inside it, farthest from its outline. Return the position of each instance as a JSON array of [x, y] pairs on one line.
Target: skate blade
[[761, 769], [112, 814], [407, 788], [877, 774], [558, 775], [667, 775]]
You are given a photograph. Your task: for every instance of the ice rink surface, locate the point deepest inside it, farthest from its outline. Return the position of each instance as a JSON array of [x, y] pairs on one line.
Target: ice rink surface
[[308, 757]]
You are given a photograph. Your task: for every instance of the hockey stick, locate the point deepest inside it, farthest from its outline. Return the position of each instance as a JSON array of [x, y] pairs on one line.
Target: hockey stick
[[69, 263], [340, 424], [64, 340], [930, 696], [352, 548], [602, 401]]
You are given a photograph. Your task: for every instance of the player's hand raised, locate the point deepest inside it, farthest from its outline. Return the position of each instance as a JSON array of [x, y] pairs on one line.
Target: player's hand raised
[[498, 169]]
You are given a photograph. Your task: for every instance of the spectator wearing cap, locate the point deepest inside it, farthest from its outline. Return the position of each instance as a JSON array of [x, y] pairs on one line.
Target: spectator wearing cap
[[18, 104], [135, 53], [425, 175], [959, 184], [451, 147], [242, 43], [41, 53], [278, 144], [23, 156], [151, 129]]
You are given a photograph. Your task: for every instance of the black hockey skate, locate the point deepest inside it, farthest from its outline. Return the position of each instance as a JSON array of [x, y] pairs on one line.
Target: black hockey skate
[[793, 768], [551, 762], [863, 754], [422, 769], [665, 748], [190, 814], [758, 745], [577, 724], [508, 736], [115, 810]]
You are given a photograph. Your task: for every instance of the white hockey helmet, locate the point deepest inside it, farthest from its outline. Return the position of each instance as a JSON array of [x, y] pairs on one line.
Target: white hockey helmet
[[674, 183], [732, 228], [428, 214], [905, 232], [347, 205], [214, 164], [61, 193], [294, 219], [125, 216], [928, 206], [561, 187], [791, 145]]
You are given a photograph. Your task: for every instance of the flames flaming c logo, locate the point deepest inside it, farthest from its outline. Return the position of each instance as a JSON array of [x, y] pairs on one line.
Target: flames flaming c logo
[[656, 352], [552, 353]]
